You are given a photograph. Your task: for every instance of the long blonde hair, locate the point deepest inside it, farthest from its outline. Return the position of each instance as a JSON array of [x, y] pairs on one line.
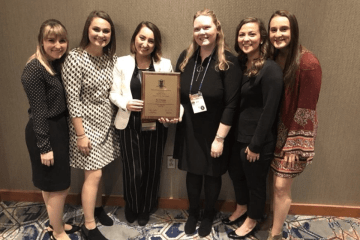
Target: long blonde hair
[[222, 64], [51, 26]]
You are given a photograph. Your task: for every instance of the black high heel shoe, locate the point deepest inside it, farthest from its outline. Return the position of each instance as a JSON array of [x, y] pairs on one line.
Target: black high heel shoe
[[72, 230], [227, 221], [51, 235], [233, 234], [103, 218]]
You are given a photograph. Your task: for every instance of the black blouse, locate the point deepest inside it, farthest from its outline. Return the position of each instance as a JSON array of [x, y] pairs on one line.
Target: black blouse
[[46, 98], [258, 106]]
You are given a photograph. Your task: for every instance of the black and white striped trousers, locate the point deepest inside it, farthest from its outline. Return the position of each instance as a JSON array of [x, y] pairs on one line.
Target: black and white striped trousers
[[142, 153]]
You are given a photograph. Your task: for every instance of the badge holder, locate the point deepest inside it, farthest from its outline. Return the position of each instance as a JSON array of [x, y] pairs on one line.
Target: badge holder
[[197, 102]]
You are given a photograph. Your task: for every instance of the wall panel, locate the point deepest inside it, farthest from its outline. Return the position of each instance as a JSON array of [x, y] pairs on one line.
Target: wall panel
[[327, 28]]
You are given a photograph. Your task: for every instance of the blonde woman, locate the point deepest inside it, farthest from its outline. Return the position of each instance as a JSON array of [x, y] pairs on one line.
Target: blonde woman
[[47, 133], [209, 95]]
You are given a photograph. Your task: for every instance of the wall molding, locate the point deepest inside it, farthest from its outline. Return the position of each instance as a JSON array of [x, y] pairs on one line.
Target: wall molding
[[172, 203]]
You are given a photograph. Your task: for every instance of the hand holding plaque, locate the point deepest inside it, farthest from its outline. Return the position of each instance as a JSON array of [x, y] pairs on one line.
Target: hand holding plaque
[[161, 95]]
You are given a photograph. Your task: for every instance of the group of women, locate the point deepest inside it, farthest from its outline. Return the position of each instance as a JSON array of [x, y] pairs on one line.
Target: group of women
[[268, 93]]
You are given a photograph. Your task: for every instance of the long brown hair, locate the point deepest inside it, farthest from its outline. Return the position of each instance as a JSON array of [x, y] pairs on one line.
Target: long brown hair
[[222, 63], [258, 63], [109, 49], [50, 26], [293, 57], [156, 53]]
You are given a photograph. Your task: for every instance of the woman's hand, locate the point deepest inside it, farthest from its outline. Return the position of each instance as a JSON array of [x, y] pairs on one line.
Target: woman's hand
[[217, 147], [135, 105], [290, 158], [84, 145], [47, 158], [166, 120], [251, 156]]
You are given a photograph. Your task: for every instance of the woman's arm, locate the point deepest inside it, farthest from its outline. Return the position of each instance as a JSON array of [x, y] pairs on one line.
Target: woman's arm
[[72, 79], [117, 90], [34, 86], [271, 88], [302, 129], [231, 82]]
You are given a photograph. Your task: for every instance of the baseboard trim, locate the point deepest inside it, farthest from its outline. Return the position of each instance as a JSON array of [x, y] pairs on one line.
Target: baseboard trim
[[172, 203]]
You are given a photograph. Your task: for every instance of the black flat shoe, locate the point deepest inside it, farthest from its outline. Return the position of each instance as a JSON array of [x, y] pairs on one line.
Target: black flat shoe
[[233, 234], [93, 234], [206, 223], [190, 225], [103, 218], [227, 221], [143, 218], [72, 230], [130, 215]]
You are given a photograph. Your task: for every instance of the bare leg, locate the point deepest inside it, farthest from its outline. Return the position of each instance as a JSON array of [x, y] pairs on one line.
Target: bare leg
[[88, 196], [239, 211], [282, 202], [54, 202], [246, 227], [99, 194]]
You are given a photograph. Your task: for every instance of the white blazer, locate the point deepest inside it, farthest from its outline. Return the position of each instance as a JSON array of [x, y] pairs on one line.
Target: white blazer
[[120, 93]]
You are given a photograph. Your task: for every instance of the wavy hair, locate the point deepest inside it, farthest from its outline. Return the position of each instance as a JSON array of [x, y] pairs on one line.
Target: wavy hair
[[156, 53], [258, 63], [293, 57], [50, 26], [222, 64], [109, 49]]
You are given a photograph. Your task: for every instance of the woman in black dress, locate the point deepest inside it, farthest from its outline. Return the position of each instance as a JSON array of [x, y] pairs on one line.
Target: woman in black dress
[[255, 131], [47, 133], [209, 94]]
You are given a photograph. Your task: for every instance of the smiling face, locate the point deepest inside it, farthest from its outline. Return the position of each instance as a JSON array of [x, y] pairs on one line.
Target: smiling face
[[249, 39], [205, 32], [99, 32], [145, 42], [280, 34], [54, 46]]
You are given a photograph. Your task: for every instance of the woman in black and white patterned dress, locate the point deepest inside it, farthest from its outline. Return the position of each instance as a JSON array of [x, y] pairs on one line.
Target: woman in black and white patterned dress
[[87, 74]]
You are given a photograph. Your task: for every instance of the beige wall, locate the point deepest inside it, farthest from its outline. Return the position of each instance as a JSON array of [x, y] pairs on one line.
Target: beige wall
[[327, 27]]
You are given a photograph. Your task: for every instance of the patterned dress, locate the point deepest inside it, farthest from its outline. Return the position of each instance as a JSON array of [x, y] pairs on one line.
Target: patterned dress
[[87, 81], [298, 119]]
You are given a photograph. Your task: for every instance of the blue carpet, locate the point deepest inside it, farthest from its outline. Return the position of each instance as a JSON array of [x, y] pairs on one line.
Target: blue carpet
[[28, 221]]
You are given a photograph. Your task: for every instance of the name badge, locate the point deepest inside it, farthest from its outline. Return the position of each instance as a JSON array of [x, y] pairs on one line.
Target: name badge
[[197, 102], [148, 126]]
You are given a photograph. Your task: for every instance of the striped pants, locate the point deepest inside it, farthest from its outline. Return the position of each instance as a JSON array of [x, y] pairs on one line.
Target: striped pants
[[142, 153]]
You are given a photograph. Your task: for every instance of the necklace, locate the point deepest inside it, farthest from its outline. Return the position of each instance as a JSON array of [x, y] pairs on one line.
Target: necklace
[[199, 69]]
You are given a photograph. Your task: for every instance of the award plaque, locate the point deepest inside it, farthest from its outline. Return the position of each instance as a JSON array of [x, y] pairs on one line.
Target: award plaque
[[161, 95]]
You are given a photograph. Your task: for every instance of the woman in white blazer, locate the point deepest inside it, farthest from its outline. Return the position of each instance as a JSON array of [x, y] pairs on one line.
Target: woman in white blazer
[[141, 149]]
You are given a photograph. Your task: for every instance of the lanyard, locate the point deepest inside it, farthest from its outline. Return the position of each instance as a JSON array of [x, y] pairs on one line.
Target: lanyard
[[207, 66]]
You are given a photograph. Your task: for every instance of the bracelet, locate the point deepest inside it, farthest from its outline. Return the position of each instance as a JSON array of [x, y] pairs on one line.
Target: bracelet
[[80, 137], [218, 136]]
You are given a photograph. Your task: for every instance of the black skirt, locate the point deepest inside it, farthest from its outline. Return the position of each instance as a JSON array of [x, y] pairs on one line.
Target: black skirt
[[56, 177]]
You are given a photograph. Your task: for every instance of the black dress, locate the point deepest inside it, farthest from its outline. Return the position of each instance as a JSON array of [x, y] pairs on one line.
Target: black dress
[[196, 132], [47, 129]]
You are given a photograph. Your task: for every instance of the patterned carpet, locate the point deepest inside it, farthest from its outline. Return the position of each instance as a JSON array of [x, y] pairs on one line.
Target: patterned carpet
[[27, 221]]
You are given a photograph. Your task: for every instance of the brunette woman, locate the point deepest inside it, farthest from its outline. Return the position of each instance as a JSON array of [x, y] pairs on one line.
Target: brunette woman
[[47, 134], [88, 77], [209, 95], [141, 149], [255, 132], [298, 119]]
